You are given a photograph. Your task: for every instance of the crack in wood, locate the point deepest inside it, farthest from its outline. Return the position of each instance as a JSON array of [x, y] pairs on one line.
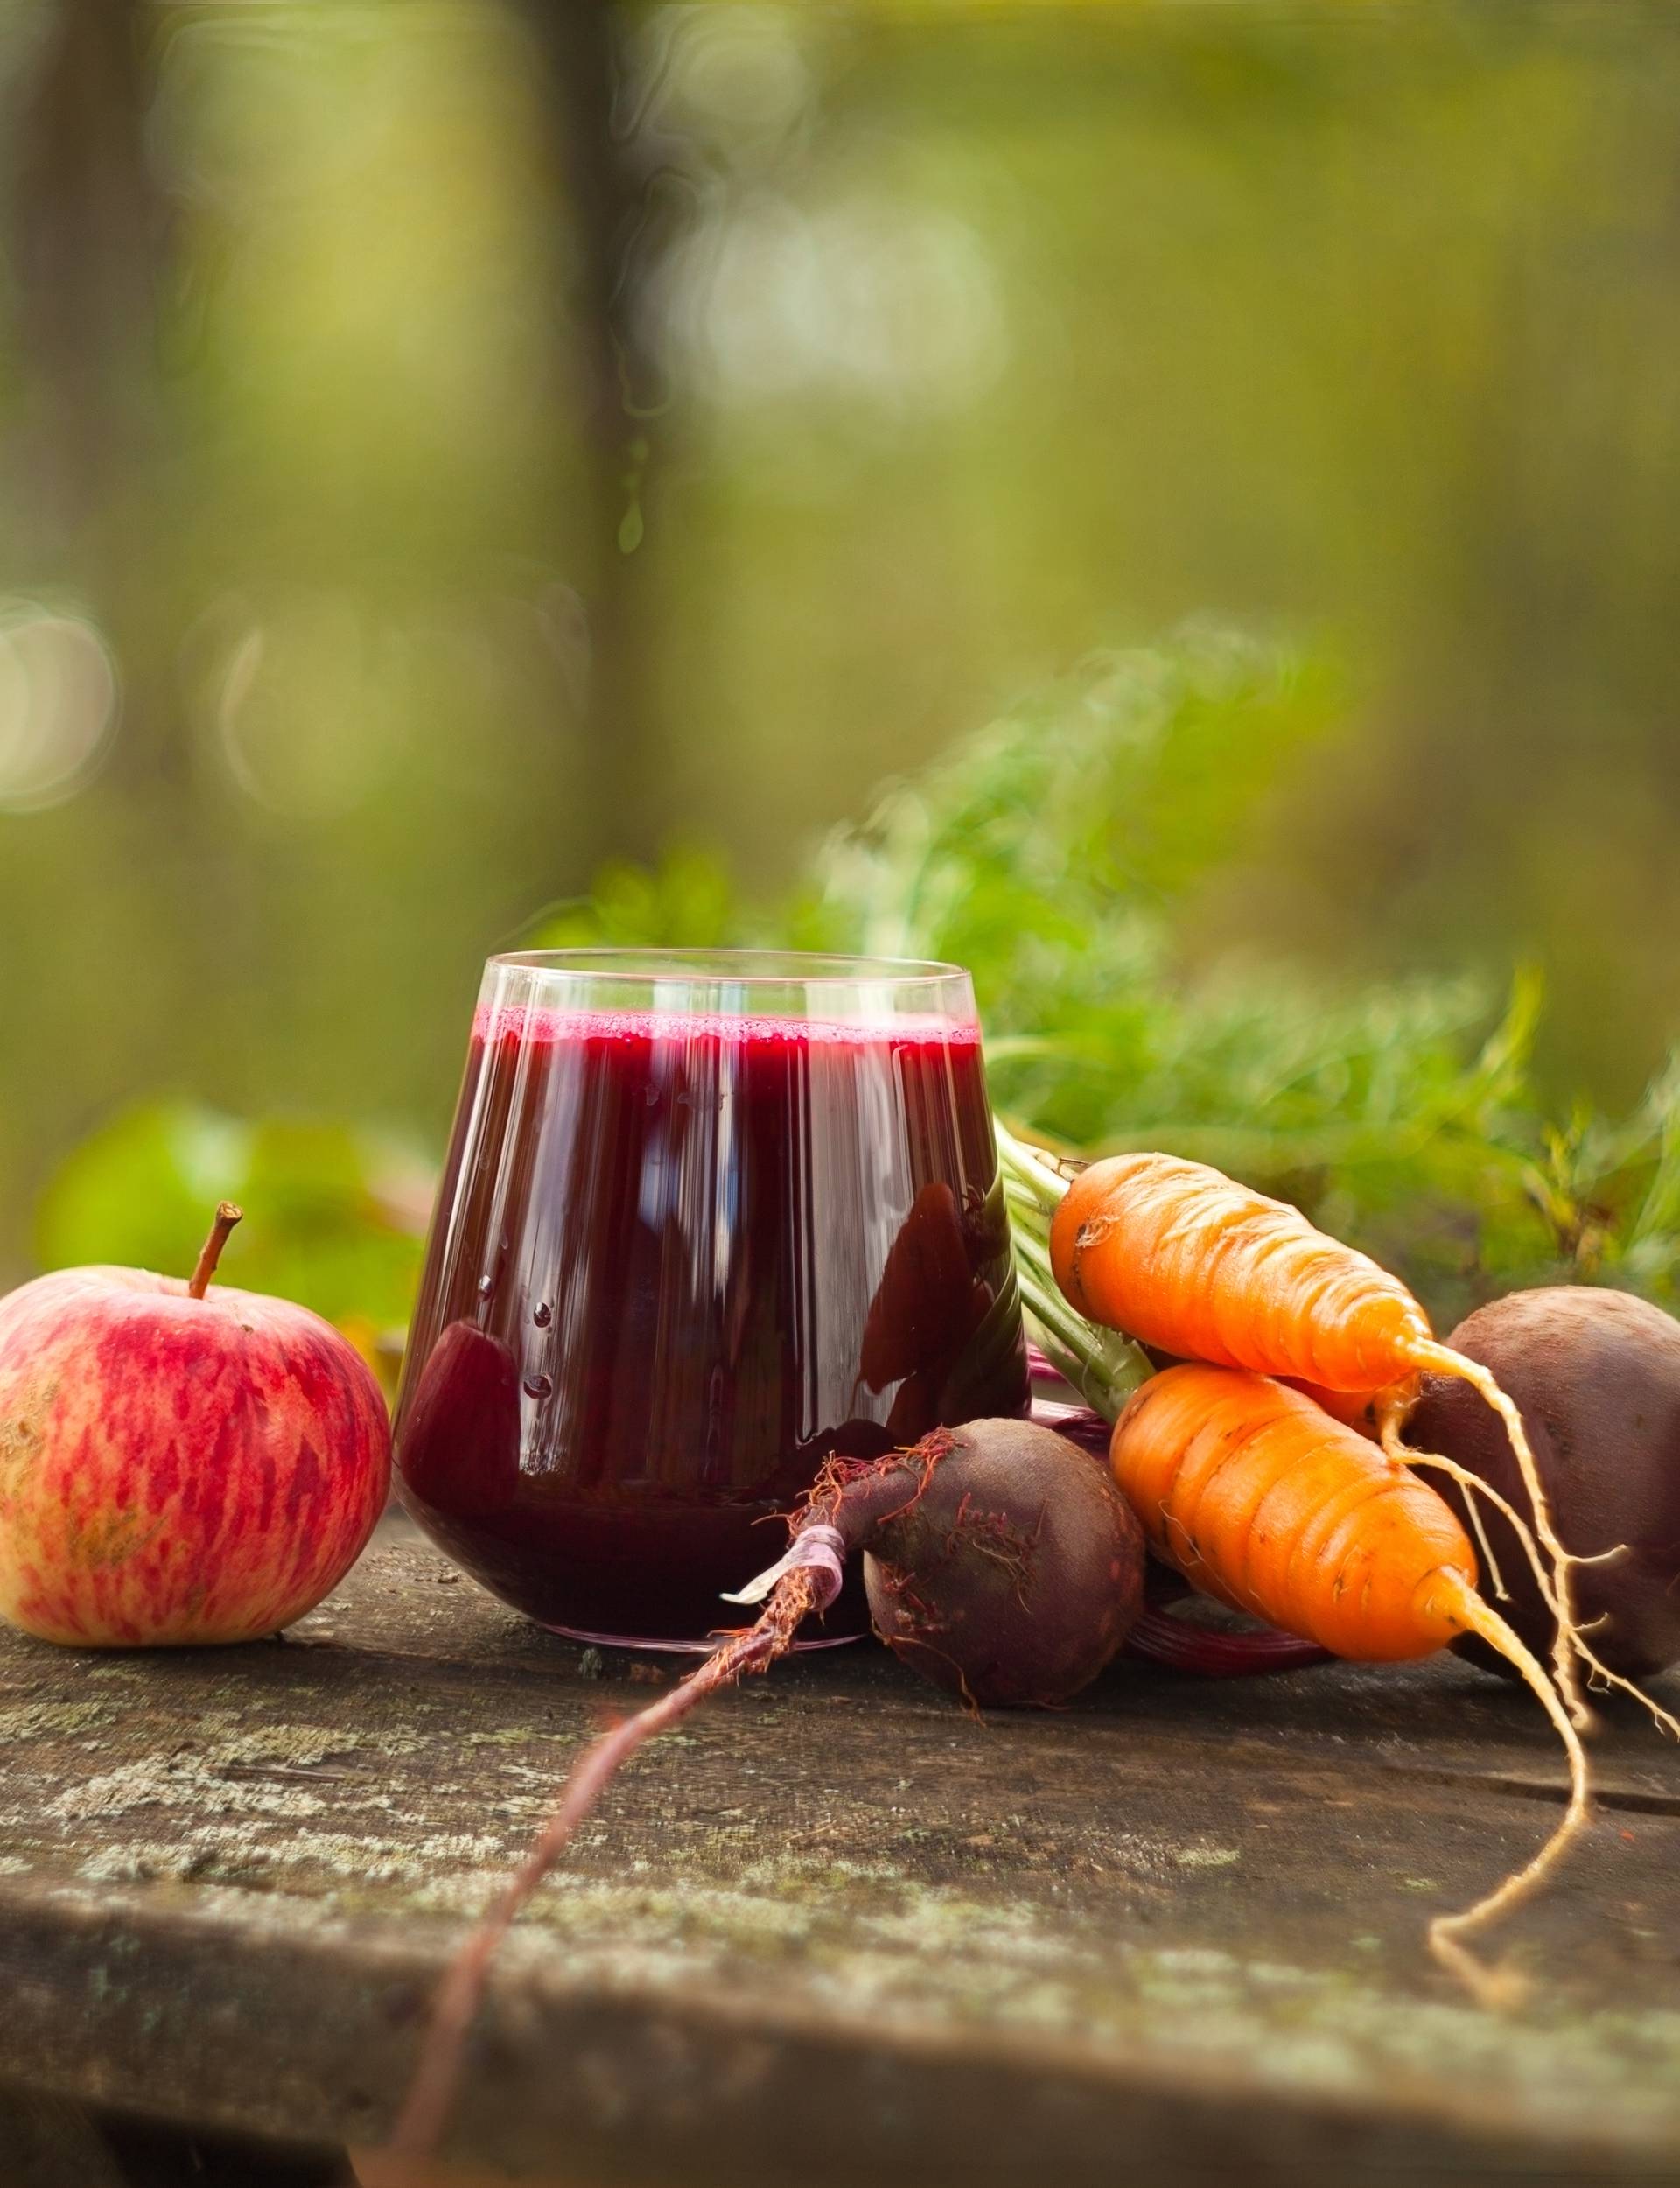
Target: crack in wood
[[1633, 1799]]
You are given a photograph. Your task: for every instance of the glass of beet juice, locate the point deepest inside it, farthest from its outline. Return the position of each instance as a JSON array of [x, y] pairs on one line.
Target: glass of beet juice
[[707, 1217]]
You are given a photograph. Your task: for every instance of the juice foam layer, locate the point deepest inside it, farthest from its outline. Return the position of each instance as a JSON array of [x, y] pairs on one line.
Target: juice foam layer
[[539, 1028]]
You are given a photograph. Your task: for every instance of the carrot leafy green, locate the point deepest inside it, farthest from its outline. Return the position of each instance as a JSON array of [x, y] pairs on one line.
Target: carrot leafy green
[[1053, 853]]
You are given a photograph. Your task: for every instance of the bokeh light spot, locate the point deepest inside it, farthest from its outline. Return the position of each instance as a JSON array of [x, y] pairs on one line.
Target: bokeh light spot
[[305, 701], [872, 299], [740, 72], [58, 704]]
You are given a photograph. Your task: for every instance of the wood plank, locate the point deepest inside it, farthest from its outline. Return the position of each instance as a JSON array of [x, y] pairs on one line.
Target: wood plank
[[1182, 1920]]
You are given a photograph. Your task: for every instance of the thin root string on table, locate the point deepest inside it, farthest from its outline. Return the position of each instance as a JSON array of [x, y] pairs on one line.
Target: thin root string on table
[[437, 2075], [1493, 1987]]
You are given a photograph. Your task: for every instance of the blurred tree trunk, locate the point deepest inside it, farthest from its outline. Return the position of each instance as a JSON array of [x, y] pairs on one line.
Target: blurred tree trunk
[[92, 235], [89, 232], [92, 240], [580, 42]]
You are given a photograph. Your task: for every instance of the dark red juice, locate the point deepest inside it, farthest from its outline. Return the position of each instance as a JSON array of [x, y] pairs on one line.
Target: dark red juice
[[676, 1263]]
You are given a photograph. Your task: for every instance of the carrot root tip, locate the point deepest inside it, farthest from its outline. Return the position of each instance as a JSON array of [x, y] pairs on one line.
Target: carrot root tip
[[1488, 1985], [1500, 1989]]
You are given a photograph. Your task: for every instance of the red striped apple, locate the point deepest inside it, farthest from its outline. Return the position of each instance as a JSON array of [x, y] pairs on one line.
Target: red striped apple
[[177, 1465]]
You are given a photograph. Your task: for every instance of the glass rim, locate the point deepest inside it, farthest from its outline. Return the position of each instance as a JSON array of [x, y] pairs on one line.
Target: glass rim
[[733, 968]]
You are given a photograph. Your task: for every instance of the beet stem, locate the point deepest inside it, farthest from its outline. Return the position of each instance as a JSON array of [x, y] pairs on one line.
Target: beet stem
[[1181, 1644], [437, 2075]]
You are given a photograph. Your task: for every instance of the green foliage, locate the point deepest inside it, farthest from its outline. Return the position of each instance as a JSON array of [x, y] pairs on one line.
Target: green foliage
[[334, 1215], [1050, 854], [1609, 1190], [1053, 853], [1105, 797]]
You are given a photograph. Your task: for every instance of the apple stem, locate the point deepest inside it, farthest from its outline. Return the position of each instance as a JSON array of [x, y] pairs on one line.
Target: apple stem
[[227, 1216]]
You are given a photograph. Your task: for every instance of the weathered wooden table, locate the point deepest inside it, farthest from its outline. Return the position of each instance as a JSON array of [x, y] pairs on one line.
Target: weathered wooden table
[[837, 1931]]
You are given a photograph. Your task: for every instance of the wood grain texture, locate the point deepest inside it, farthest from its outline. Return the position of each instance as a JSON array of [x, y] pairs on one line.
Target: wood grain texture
[[1179, 1923]]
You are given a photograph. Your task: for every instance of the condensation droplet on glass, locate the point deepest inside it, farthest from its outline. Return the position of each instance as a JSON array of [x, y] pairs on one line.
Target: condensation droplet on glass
[[542, 1314], [537, 1386]]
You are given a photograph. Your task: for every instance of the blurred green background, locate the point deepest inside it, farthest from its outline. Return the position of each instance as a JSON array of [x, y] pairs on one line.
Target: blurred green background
[[449, 447]]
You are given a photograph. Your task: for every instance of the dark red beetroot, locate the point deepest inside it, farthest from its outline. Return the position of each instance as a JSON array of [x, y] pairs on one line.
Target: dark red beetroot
[[1597, 1377], [1013, 1574], [1000, 1559]]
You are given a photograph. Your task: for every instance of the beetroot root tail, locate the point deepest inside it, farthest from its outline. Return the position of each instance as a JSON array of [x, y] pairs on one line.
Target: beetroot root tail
[[436, 2076]]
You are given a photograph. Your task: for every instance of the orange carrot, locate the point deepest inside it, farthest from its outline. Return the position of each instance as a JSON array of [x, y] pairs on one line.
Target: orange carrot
[[1381, 1416], [1186, 1259], [1263, 1501], [1354, 1409]]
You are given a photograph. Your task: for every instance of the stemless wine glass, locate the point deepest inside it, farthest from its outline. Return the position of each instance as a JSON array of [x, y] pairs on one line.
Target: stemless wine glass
[[708, 1217]]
